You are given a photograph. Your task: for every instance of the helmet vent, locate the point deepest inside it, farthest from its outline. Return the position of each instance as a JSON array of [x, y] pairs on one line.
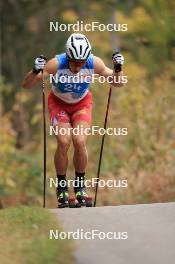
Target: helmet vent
[[80, 49]]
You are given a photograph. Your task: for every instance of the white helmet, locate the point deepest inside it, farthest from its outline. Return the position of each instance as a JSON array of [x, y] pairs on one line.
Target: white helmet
[[78, 47]]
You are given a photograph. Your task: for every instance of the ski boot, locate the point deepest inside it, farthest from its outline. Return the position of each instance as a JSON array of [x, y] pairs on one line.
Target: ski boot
[[62, 192], [82, 197], [63, 198]]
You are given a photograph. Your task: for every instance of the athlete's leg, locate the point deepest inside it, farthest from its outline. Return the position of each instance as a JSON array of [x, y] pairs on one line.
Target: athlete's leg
[[61, 163], [81, 119], [63, 144], [60, 118]]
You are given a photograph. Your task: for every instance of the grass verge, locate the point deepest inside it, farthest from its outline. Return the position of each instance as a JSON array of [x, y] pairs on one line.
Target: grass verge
[[24, 238]]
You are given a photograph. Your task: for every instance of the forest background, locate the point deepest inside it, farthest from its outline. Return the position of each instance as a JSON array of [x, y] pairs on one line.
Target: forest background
[[145, 157]]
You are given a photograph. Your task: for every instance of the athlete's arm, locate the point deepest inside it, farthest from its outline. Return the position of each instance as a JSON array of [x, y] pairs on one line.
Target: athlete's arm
[[101, 69], [31, 79]]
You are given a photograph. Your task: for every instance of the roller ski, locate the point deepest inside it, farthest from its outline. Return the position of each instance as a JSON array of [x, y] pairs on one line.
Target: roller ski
[[65, 201]]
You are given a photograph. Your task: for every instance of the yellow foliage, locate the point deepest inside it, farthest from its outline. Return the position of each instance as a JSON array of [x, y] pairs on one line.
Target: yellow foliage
[[135, 72], [69, 15], [33, 24], [8, 136], [139, 21]]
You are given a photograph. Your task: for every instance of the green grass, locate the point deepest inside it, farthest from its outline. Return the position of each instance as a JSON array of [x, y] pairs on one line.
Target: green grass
[[24, 238]]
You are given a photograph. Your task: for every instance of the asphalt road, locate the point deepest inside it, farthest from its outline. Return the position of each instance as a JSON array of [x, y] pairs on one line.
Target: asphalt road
[[150, 229]]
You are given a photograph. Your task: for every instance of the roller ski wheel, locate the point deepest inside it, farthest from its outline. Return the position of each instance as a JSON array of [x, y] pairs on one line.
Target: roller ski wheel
[[63, 205], [72, 203], [88, 201]]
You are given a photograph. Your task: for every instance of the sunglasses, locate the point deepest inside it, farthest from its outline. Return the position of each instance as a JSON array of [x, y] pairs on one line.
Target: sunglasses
[[77, 61]]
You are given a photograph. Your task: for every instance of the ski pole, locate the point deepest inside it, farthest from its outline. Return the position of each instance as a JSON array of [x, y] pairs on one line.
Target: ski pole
[[44, 139], [102, 144]]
